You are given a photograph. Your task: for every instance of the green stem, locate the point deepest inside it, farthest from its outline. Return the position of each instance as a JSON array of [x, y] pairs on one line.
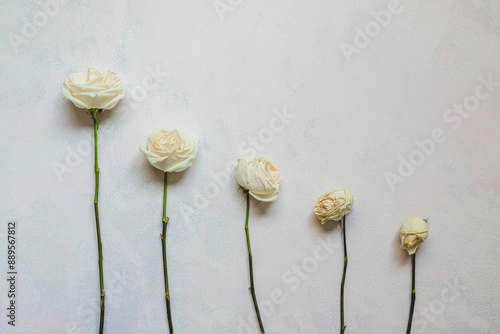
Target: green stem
[[252, 287], [96, 209], [164, 251], [412, 307], [342, 324]]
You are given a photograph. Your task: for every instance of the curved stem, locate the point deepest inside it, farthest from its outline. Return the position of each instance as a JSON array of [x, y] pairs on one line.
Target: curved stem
[[342, 324], [252, 288], [412, 307], [164, 251], [96, 209]]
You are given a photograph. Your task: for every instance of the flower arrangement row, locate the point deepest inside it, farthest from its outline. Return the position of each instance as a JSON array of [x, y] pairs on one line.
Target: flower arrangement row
[[174, 151]]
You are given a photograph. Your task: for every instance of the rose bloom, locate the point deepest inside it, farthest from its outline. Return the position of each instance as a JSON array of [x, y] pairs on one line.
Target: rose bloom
[[93, 90], [260, 177], [333, 205], [170, 150], [412, 233]]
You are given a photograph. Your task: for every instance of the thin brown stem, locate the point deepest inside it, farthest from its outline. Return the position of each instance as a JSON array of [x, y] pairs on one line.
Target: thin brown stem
[[413, 296], [342, 324], [252, 287]]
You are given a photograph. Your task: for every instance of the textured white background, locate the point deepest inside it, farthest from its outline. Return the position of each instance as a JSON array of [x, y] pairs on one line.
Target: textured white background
[[223, 76]]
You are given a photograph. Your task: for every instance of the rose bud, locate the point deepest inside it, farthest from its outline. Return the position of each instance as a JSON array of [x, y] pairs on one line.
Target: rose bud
[[413, 232], [333, 205], [260, 177]]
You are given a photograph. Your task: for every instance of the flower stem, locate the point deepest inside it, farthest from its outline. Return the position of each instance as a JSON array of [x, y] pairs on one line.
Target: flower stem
[[412, 307], [96, 209], [252, 288], [342, 324], [164, 251]]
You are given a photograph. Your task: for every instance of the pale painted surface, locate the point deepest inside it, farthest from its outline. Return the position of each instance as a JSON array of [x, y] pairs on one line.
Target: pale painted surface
[[223, 77]]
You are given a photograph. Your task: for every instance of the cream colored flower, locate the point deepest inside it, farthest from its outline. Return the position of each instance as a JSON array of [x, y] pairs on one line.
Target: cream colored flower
[[170, 150], [413, 232], [93, 90], [260, 177], [333, 205]]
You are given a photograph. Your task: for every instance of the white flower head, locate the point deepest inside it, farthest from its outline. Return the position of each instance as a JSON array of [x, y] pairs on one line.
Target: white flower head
[[333, 205], [260, 177], [412, 233], [170, 150]]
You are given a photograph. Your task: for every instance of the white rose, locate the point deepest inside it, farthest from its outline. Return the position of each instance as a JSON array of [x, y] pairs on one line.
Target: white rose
[[333, 205], [93, 90], [170, 150], [413, 232], [260, 177]]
